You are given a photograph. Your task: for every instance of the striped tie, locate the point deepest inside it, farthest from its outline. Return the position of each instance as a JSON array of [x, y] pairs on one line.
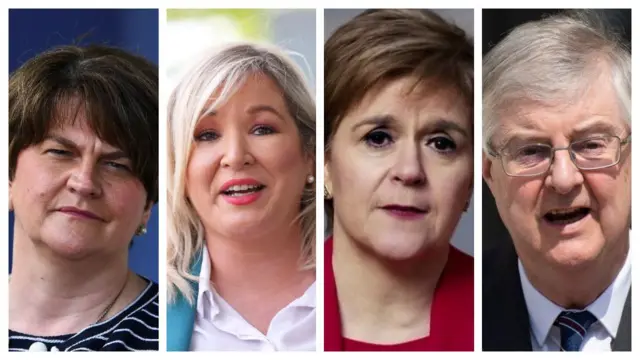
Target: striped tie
[[573, 327]]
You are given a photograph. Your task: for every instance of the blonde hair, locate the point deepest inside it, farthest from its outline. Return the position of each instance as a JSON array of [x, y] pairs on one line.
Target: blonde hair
[[225, 69]]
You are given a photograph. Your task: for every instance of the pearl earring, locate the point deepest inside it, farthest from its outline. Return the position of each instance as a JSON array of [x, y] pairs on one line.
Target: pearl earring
[[141, 230], [310, 179]]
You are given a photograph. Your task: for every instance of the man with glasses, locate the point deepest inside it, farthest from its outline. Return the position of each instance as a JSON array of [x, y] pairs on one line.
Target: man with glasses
[[557, 159]]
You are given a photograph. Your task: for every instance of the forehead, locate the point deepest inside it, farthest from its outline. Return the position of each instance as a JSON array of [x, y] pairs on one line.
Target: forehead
[[255, 88], [403, 97], [71, 123], [597, 106]]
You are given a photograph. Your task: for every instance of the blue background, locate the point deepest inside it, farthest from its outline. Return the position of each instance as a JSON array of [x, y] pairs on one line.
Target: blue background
[[32, 31]]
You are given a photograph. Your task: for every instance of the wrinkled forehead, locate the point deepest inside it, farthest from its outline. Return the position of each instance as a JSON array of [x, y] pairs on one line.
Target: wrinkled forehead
[[78, 120], [594, 109]]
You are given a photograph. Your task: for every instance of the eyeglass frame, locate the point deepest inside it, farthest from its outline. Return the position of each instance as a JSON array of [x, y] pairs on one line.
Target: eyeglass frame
[[622, 142]]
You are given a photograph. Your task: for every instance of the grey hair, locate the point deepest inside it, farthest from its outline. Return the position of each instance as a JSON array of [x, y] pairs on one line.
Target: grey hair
[[225, 70], [545, 62]]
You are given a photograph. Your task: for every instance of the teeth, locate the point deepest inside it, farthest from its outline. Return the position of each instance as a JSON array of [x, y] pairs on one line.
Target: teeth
[[562, 211], [243, 187]]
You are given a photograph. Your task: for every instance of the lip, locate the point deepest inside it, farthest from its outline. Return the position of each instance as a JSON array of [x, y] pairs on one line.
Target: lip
[[76, 212], [234, 182], [568, 230], [405, 212]]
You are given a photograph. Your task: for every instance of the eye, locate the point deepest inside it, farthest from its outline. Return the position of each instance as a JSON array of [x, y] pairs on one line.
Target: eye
[[207, 135], [530, 155], [59, 152], [442, 144], [117, 166], [263, 130], [378, 138]]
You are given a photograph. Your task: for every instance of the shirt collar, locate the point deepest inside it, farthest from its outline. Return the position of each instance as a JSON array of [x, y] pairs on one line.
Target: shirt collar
[[607, 308], [206, 293], [205, 290]]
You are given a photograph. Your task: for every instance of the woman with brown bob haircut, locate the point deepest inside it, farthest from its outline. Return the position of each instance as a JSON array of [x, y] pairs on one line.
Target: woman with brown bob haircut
[[398, 175], [83, 176]]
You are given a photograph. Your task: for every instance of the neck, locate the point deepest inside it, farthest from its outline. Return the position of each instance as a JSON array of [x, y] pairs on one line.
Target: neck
[[393, 297], [576, 287], [267, 261], [50, 296]]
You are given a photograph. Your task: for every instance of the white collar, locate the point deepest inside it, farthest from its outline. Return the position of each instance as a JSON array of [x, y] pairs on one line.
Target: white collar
[[205, 289], [607, 308]]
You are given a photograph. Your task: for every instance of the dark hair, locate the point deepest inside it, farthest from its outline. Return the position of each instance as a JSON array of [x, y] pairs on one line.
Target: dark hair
[[380, 46], [117, 90]]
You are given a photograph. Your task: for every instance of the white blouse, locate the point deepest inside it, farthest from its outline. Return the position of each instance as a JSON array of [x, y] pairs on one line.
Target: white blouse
[[218, 326]]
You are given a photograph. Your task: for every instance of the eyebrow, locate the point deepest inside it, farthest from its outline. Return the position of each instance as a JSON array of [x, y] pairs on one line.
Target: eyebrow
[[439, 124], [112, 155], [598, 125], [252, 110]]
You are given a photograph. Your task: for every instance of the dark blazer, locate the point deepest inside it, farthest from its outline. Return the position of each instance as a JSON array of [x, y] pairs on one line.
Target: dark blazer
[[505, 319]]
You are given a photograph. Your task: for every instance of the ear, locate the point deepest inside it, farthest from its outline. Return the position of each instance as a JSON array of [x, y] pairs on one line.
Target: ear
[[328, 184], [146, 215], [10, 197], [486, 170]]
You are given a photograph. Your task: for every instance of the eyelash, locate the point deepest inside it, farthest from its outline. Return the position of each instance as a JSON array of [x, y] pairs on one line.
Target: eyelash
[[66, 153], [259, 130], [372, 139]]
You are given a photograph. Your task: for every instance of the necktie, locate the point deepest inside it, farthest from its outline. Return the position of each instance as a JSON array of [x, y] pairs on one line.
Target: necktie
[[573, 327]]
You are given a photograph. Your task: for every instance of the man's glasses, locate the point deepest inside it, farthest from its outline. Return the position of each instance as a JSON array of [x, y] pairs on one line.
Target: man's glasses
[[587, 154]]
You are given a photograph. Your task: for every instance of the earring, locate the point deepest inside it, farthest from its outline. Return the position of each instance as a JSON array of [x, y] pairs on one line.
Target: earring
[[141, 230], [310, 179]]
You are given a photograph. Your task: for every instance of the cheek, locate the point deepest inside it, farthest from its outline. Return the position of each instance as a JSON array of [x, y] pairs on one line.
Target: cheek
[[201, 169], [283, 160], [126, 198], [355, 178]]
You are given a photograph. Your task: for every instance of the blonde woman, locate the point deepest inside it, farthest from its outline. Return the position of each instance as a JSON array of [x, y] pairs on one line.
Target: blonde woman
[[241, 229]]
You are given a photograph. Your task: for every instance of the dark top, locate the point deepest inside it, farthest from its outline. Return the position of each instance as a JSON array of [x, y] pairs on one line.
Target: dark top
[[451, 311], [133, 329]]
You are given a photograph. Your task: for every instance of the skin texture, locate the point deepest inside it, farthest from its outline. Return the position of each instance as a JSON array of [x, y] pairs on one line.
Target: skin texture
[[254, 248], [555, 257], [418, 151], [69, 168], [68, 268], [411, 160], [241, 142]]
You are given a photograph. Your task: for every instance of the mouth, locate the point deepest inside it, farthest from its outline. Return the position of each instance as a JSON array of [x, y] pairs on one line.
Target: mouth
[[242, 190], [405, 211], [75, 212], [566, 216]]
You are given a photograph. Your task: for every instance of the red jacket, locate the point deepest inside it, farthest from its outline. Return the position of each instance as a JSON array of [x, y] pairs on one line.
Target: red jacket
[[451, 312]]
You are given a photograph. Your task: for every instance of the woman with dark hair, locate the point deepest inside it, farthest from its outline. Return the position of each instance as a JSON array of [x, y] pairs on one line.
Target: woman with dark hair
[[398, 175], [83, 171]]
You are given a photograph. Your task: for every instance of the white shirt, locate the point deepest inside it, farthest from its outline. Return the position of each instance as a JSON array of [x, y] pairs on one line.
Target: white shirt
[[219, 327], [607, 308]]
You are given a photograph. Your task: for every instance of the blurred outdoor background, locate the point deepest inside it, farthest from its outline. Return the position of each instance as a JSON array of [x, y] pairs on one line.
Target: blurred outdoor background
[[191, 31]]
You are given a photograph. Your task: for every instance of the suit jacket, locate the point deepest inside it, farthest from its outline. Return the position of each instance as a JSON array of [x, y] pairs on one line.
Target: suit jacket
[[181, 315], [505, 318]]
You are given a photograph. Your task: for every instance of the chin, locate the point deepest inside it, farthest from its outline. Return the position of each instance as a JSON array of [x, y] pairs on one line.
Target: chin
[[574, 253], [399, 246]]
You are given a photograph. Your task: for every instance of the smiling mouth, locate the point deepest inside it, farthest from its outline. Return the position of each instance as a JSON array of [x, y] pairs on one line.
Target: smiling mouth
[[566, 216], [241, 190]]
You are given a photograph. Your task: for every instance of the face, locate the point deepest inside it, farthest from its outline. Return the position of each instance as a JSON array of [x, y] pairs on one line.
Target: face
[[76, 195], [566, 216], [400, 169], [247, 170]]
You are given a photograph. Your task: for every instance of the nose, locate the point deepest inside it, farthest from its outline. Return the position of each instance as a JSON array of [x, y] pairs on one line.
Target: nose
[[82, 180], [564, 176], [408, 168], [236, 152]]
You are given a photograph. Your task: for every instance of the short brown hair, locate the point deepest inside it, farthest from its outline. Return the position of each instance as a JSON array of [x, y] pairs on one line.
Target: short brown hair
[[119, 92], [379, 46]]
